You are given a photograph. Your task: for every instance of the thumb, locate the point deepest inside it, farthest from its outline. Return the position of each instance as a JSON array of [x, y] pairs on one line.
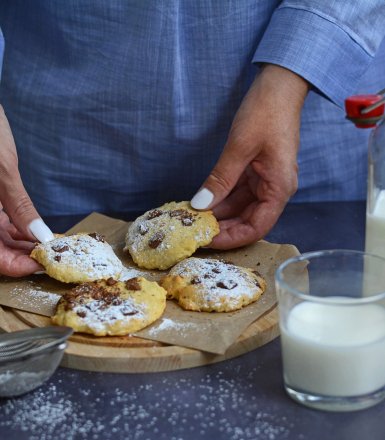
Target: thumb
[[20, 210], [221, 180]]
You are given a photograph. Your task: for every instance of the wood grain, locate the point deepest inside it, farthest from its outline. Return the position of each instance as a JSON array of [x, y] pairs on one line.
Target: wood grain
[[136, 355], [129, 354]]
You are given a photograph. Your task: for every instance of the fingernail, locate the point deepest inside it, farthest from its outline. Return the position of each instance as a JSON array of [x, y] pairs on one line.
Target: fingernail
[[202, 199], [39, 272], [40, 230]]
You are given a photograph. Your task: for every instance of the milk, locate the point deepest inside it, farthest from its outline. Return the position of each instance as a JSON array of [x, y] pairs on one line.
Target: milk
[[334, 350], [375, 227]]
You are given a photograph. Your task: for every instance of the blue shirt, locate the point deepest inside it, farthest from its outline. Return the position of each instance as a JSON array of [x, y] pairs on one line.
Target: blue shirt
[[124, 105]]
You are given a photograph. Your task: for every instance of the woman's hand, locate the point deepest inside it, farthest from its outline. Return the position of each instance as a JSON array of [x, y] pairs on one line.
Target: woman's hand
[[15, 250], [20, 224], [257, 172]]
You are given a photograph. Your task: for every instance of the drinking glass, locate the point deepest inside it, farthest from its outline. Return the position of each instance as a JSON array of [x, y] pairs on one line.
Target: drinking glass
[[332, 322]]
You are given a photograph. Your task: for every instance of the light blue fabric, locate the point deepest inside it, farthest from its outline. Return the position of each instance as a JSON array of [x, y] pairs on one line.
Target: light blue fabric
[[122, 105]]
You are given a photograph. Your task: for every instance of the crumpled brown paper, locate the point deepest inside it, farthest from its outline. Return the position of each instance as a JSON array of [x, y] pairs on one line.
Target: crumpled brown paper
[[210, 332]]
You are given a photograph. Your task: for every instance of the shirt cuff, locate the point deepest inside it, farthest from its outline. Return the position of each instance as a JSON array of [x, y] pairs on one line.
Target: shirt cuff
[[316, 49]]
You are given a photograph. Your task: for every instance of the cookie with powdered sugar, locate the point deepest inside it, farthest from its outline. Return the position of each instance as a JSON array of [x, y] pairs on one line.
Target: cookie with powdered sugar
[[111, 307], [209, 285], [78, 258], [162, 237]]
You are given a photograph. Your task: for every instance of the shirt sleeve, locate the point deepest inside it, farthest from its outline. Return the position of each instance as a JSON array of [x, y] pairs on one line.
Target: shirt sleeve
[[329, 43]]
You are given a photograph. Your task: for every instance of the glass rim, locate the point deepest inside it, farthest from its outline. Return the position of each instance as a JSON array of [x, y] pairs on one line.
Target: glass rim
[[343, 301]]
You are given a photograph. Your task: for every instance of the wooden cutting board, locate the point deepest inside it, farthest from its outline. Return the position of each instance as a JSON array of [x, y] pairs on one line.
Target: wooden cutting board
[[128, 354]]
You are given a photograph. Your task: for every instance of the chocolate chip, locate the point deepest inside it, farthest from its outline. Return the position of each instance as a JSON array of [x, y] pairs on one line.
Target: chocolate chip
[[156, 240], [196, 280], [216, 270], [186, 217], [133, 284], [154, 213], [57, 258], [58, 248], [97, 237], [177, 212], [128, 312], [81, 313], [227, 284], [110, 281]]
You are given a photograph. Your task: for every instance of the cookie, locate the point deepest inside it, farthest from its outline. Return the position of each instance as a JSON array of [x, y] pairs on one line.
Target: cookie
[[110, 307], [78, 258], [164, 236], [208, 285]]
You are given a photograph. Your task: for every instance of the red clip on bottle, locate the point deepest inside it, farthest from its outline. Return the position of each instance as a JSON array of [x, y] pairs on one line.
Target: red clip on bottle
[[375, 203]]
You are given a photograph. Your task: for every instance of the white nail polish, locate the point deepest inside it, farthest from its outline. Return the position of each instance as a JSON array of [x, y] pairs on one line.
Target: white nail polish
[[202, 199], [40, 230]]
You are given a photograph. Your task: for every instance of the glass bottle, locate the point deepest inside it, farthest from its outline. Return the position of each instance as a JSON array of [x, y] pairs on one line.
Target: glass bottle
[[357, 111]]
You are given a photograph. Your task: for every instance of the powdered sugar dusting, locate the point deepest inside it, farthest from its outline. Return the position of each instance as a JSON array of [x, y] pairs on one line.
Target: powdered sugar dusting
[[167, 221], [98, 317], [85, 254], [167, 324], [201, 405], [33, 296], [218, 282]]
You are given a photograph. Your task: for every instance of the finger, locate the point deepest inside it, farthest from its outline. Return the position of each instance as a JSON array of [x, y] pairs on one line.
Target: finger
[[253, 225], [10, 242], [234, 204], [222, 178], [12, 237], [21, 266], [16, 263], [7, 226], [22, 213], [13, 195]]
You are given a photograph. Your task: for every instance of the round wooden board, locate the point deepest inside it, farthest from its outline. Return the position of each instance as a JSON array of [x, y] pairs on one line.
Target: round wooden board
[[136, 355]]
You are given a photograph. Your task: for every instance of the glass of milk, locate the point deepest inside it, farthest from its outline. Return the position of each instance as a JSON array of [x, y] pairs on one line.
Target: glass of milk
[[332, 322]]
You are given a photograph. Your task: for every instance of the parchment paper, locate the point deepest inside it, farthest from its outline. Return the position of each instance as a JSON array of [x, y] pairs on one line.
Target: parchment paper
[[211, 332]]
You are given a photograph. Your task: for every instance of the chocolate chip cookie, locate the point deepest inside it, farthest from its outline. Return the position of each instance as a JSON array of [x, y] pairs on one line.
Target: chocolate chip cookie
[[164, 236], [209, 285], [78, 258], [111, 307]]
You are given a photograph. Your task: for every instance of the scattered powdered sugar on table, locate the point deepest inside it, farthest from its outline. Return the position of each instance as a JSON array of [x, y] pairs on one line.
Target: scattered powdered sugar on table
[[163, 407]]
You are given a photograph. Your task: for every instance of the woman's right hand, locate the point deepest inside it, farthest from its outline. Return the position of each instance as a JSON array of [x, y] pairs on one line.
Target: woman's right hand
[[20, 224]]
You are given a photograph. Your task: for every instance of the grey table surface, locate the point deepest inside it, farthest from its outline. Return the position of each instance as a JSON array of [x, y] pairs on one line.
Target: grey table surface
[[242, 398]]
